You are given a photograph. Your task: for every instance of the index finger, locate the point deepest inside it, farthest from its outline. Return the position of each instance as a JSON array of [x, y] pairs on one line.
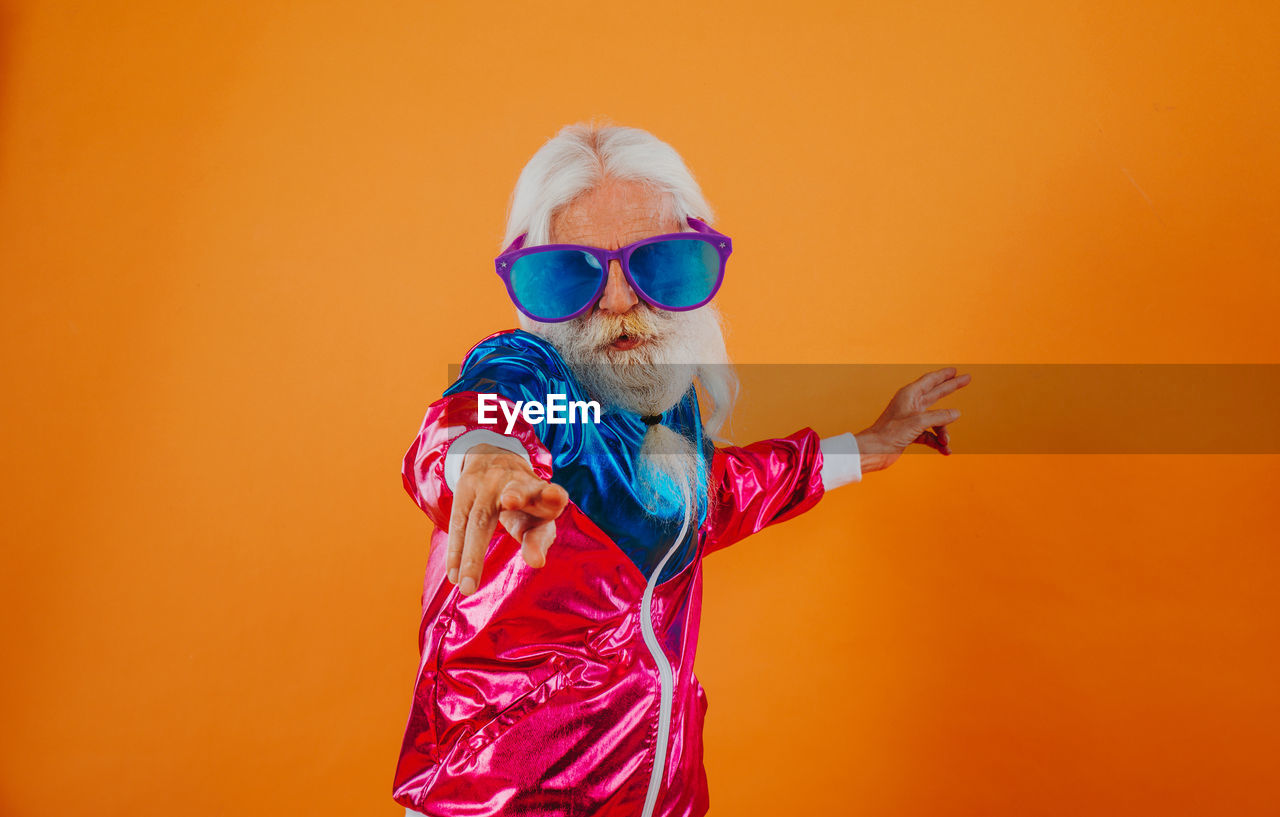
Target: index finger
[[928, 380], [481, 523], [545, 500]]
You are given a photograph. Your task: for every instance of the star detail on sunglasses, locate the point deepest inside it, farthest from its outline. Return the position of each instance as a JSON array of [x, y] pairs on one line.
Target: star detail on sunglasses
[[504, 263], [722, 245]]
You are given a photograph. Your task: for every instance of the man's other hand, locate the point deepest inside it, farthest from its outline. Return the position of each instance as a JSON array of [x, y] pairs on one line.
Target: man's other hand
[[908, 420], [497, 486]]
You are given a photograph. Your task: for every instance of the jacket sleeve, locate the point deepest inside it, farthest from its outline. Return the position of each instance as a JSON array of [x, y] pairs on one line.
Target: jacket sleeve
[[756, 485], [446, 420]]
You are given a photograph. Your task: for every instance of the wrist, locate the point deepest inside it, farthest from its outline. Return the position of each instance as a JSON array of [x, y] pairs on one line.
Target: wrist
[[487, 454], [875, 453], [489, 443]]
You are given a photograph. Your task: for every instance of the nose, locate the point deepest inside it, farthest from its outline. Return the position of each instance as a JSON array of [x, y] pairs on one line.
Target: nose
[[618, 297]]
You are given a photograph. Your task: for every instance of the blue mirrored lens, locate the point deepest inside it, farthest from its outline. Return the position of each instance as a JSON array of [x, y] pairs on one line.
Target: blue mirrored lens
[[676, 273], [555, 284]]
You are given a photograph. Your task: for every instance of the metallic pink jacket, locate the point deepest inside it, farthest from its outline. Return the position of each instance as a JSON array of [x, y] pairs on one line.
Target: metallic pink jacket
[[569, 689]]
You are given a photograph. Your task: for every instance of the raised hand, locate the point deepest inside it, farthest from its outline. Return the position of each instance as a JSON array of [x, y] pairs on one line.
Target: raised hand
[[908, 419]]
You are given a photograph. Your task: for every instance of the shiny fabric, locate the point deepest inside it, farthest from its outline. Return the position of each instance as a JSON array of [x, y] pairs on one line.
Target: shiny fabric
[[595, 462], [537, 695]]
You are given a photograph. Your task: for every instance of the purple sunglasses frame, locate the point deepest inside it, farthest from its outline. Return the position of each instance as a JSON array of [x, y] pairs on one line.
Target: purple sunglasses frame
[[702, 232]]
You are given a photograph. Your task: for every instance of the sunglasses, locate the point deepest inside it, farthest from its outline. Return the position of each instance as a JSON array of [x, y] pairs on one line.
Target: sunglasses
[[559, 282]]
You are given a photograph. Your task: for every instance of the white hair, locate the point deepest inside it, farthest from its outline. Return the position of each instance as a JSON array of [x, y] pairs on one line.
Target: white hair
[[579, 157]]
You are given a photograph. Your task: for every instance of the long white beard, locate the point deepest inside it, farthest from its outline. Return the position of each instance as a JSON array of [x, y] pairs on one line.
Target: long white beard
[[676, 348]]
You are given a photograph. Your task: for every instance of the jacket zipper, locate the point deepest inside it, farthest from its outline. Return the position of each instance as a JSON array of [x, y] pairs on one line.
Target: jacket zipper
[[664, 667]]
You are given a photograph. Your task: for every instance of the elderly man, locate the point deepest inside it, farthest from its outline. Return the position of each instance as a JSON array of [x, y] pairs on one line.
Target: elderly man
[[564, 581]]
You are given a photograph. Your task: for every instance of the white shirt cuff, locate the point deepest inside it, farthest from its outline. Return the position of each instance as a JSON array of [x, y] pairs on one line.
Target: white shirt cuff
[[464, 442], [841, 462]]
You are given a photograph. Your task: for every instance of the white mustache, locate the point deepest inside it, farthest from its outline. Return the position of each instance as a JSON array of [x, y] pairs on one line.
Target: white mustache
[[600, 329]]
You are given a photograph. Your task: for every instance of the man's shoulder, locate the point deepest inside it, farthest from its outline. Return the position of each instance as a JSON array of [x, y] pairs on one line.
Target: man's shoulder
[[512, 362], [511, 342], [515, 349]]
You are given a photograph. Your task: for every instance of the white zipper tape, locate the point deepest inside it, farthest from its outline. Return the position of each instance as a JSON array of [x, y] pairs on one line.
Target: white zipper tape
[[664, 666]]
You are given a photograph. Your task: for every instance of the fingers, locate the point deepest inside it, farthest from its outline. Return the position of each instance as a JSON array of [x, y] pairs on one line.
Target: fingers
[[930, 439], [938, 438], [534, 535], [550, 503], [929, 380], [520, 492], [537, 541], [516, 523], [525, 507], [944, 437], [481, 523], [944, 387], [463, 499], [545, 500], [937, 385], [938, 417]]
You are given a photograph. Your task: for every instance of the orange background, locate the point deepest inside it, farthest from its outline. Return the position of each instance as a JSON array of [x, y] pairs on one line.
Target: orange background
[[242, 242]]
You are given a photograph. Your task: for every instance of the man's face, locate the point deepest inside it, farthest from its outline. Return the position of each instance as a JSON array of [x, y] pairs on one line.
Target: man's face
[[612, 215], [625, 352]]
